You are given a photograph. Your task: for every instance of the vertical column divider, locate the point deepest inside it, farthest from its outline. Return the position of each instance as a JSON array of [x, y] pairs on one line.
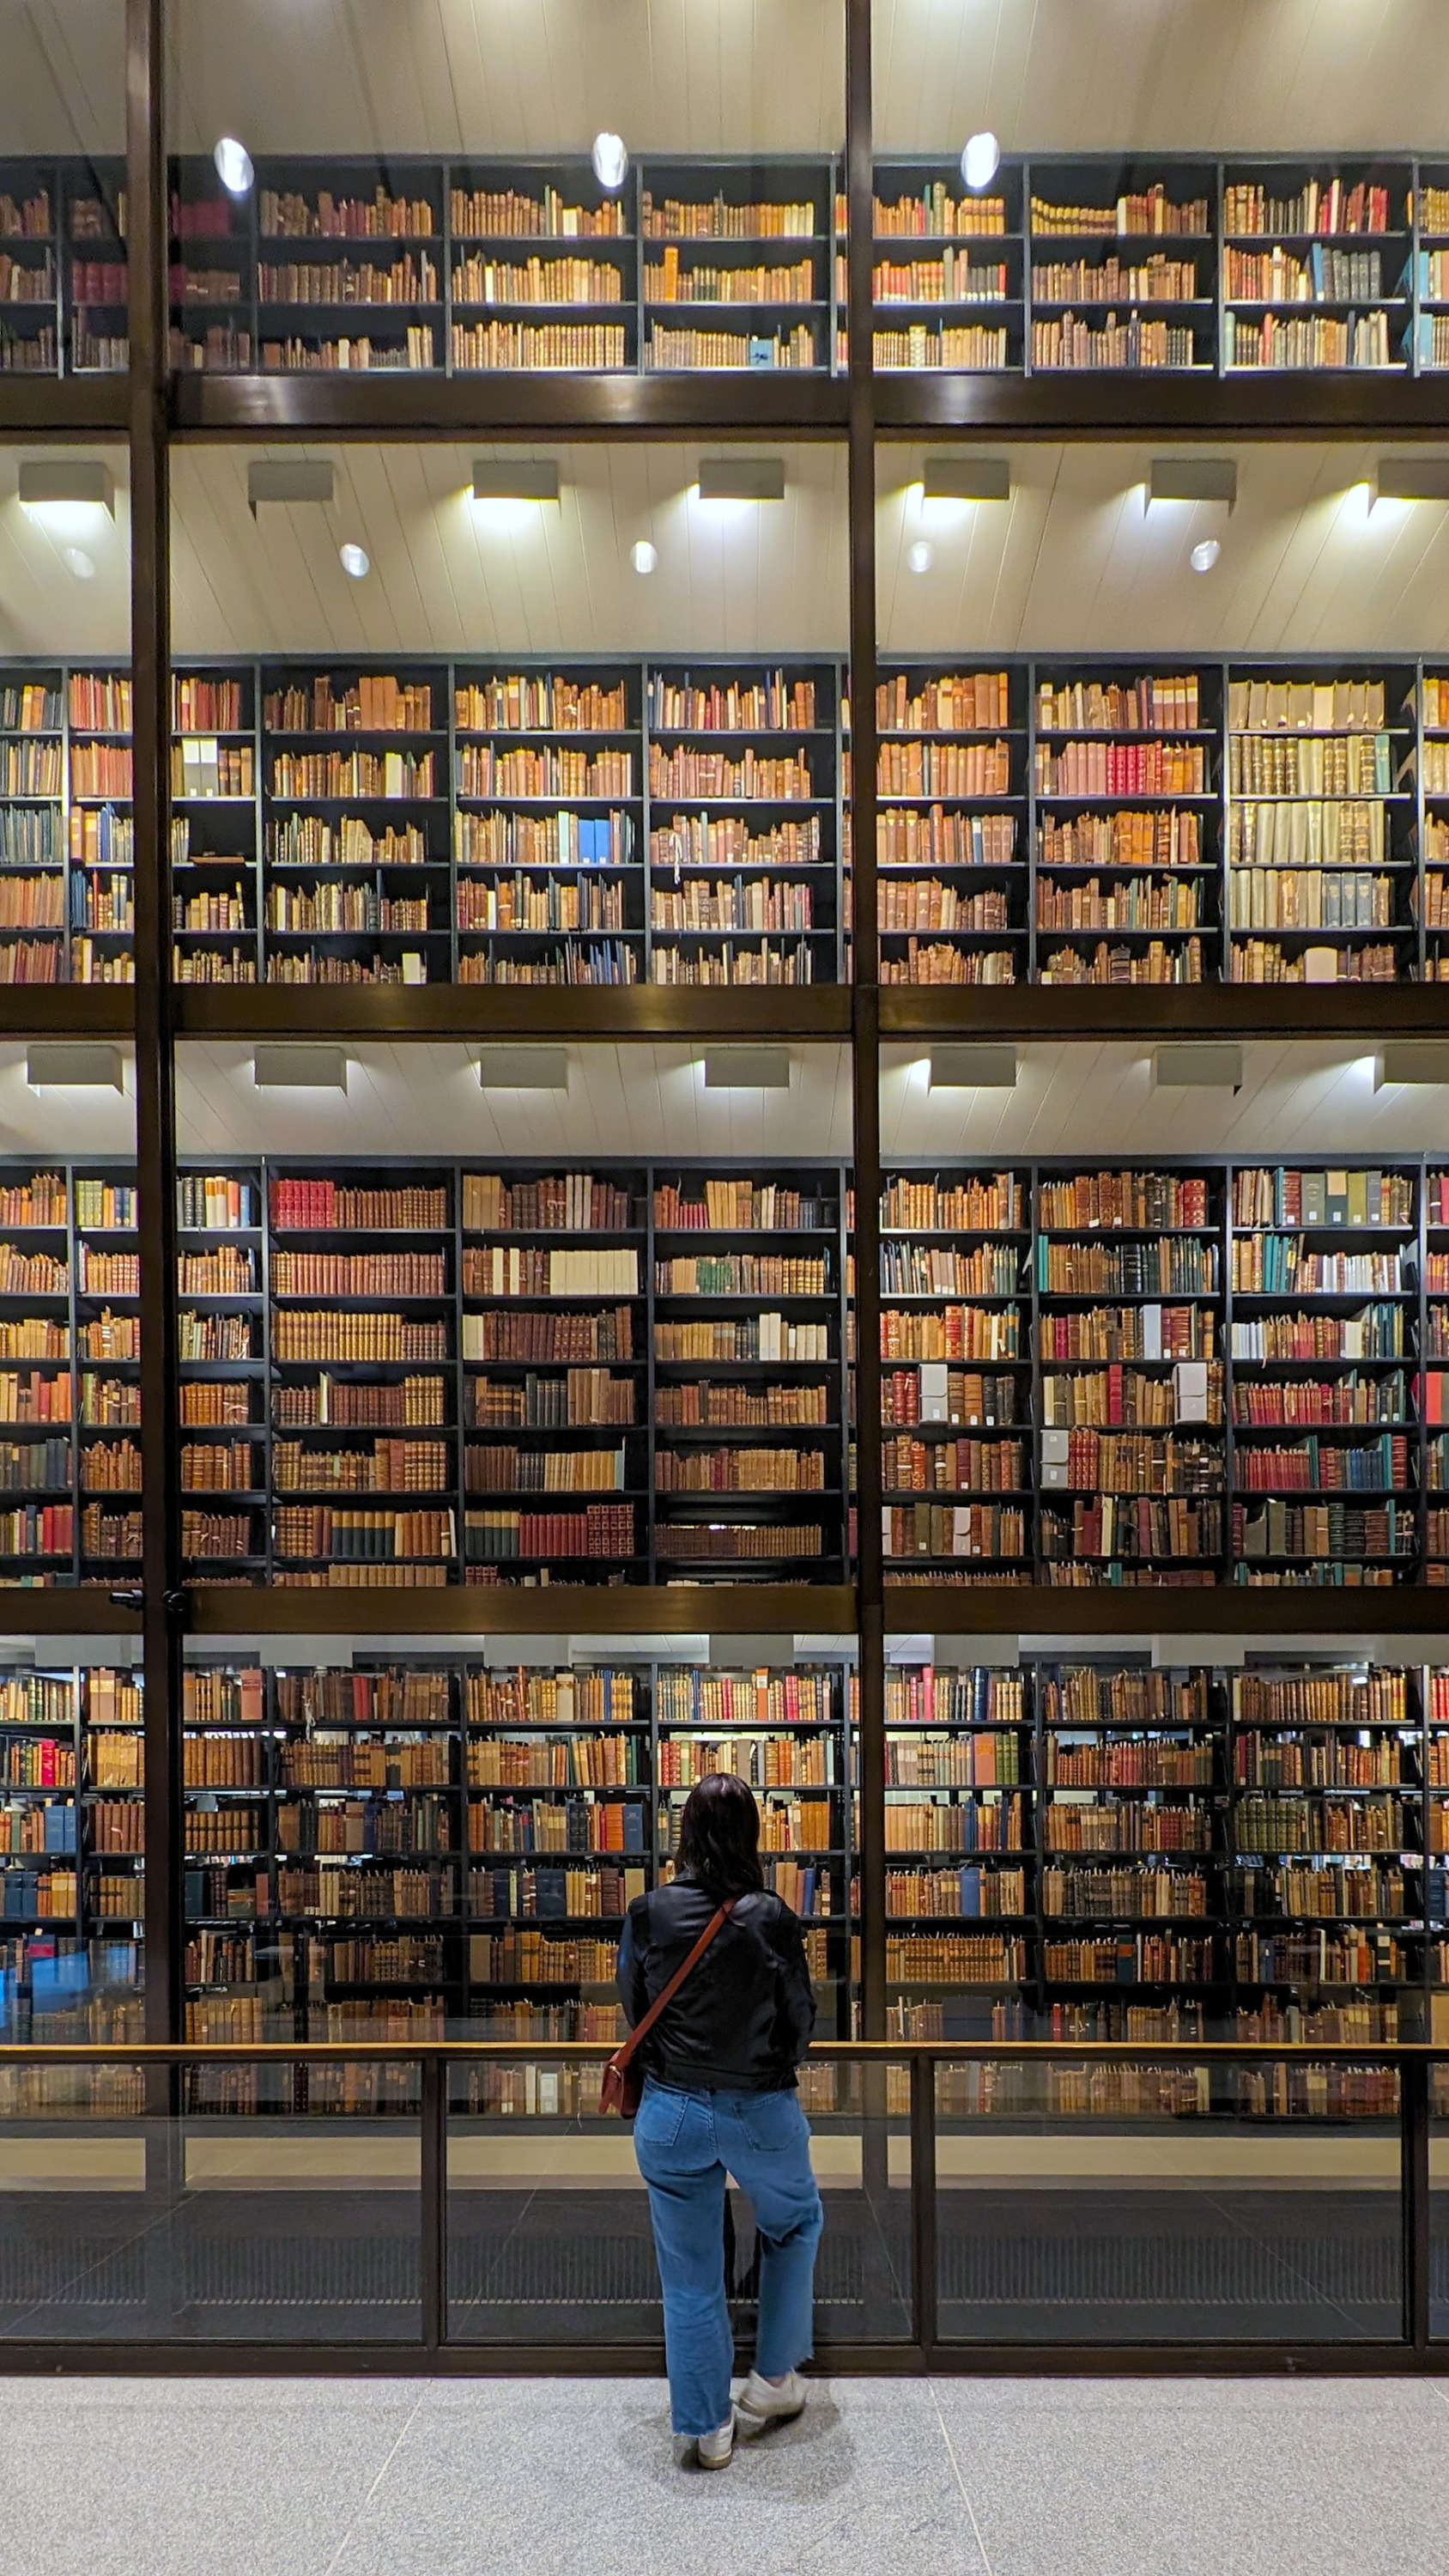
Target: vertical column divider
[[162, 1598], [865, 1013]]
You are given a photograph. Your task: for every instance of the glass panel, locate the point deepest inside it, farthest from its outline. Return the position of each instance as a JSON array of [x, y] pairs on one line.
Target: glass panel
[[62, 191], [282, 2208], [647, 792], [484, 223], [1249, 2205], [548, 2221]]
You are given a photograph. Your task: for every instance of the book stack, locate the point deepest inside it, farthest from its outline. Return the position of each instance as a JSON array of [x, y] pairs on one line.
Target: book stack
[[102, 900], [1130, 1307], [742, 862], [1323, 1273], [1126, 825], [955, 1344], [543, 275], [925, 276], [1100, 297], [546, 834], [214, 837], [1319, 816], [950, 828], [1336, 243], [325, 248], [747, 1340], [356, 872]]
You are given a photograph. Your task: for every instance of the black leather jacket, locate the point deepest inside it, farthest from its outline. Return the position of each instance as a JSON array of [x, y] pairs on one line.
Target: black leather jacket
[[742, 2021]]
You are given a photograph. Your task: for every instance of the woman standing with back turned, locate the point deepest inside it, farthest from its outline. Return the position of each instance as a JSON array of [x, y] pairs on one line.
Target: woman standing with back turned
[[720, 2094]]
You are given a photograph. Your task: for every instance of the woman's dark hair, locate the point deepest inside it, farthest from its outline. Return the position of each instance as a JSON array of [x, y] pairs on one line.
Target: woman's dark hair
[[719, 1836]]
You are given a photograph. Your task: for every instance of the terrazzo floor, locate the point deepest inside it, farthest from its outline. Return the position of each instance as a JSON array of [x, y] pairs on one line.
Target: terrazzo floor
[[952, 2477]]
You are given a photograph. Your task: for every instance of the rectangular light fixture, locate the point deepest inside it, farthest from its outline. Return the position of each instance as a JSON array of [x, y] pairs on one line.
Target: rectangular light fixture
[[1174, 1654], [1198, 1065], [1194, 478], [966, 478], [963, 1648], [523, 1068], [74, 1064], [83, 479], [515, 478], [1412, 478], [747, 1069], [286, 479], [1412, 1060], [973, 1068], [742, 478], [299, 1068]]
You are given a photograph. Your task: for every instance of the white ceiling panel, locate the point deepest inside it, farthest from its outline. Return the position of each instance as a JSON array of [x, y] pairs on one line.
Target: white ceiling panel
[[1298, 1096], [63, 82], [1186, 75], [1075, 557], [422, 1099], [449, 575], [509, 76]]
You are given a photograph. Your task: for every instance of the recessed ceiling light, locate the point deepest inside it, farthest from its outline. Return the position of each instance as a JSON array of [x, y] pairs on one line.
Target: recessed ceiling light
[[610, 159], [1205, 555], [79, 562], [355, 562], [233, 166], [921, 556], [981, 160], [643, 556]]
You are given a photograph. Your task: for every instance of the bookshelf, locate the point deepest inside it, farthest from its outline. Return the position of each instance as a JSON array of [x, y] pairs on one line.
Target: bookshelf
[[1328, 1880], [742, 823], [736, 266], [554, 1271], [1129, 1316], [952, 825], [948, 270], [1431, 1388], [1319, 825], [425, 265], [611, 820], [1124, 825], [956, 1351], [960, 1849], [542, 269], [748, 1434], [1325, 1320], [430, 1846], [1122, 266], [1317, 270]]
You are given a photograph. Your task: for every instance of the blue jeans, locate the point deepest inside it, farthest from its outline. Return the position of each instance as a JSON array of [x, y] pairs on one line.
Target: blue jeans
[[684, 2142]]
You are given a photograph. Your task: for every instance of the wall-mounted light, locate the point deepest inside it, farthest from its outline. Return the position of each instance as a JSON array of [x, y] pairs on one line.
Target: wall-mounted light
[[966, 478], [355, 562], [1212, 479], [299, 1068], [69, 483], [746, 1069], [643, 556], [1198, 1065], [972, 1068], [741, 478], [1412, 478], [233, 165], [290, 481], [610, 158], [515, 478], [74, 1064], [522, 1068], [1413, 1060], [980, 160]]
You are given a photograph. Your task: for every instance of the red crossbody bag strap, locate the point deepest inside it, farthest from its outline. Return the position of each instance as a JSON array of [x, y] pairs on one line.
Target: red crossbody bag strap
[[621, 2088]]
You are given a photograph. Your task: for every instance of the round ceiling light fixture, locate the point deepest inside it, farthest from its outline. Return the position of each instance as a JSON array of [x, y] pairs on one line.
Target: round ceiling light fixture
[[1205, 555], [355, 562], [611, 161], [980, 161], [921, 556], [643, 556], [233, 166]]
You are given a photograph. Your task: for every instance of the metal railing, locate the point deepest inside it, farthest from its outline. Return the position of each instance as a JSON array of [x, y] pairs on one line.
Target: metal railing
[[1241, 2209]]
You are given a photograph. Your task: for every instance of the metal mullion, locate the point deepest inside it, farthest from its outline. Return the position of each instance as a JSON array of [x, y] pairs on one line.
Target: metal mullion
[[450, 669], [1420, 898], [1419, 1375], [1030, 819], [865, 1013], [264, 1354], [651, 1442], [1226, 1241], [163, 1600], [460, 1481], [646, 826]]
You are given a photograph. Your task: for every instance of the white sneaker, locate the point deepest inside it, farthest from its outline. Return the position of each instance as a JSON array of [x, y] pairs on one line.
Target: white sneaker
[[714, 2450], [760, 2404]]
